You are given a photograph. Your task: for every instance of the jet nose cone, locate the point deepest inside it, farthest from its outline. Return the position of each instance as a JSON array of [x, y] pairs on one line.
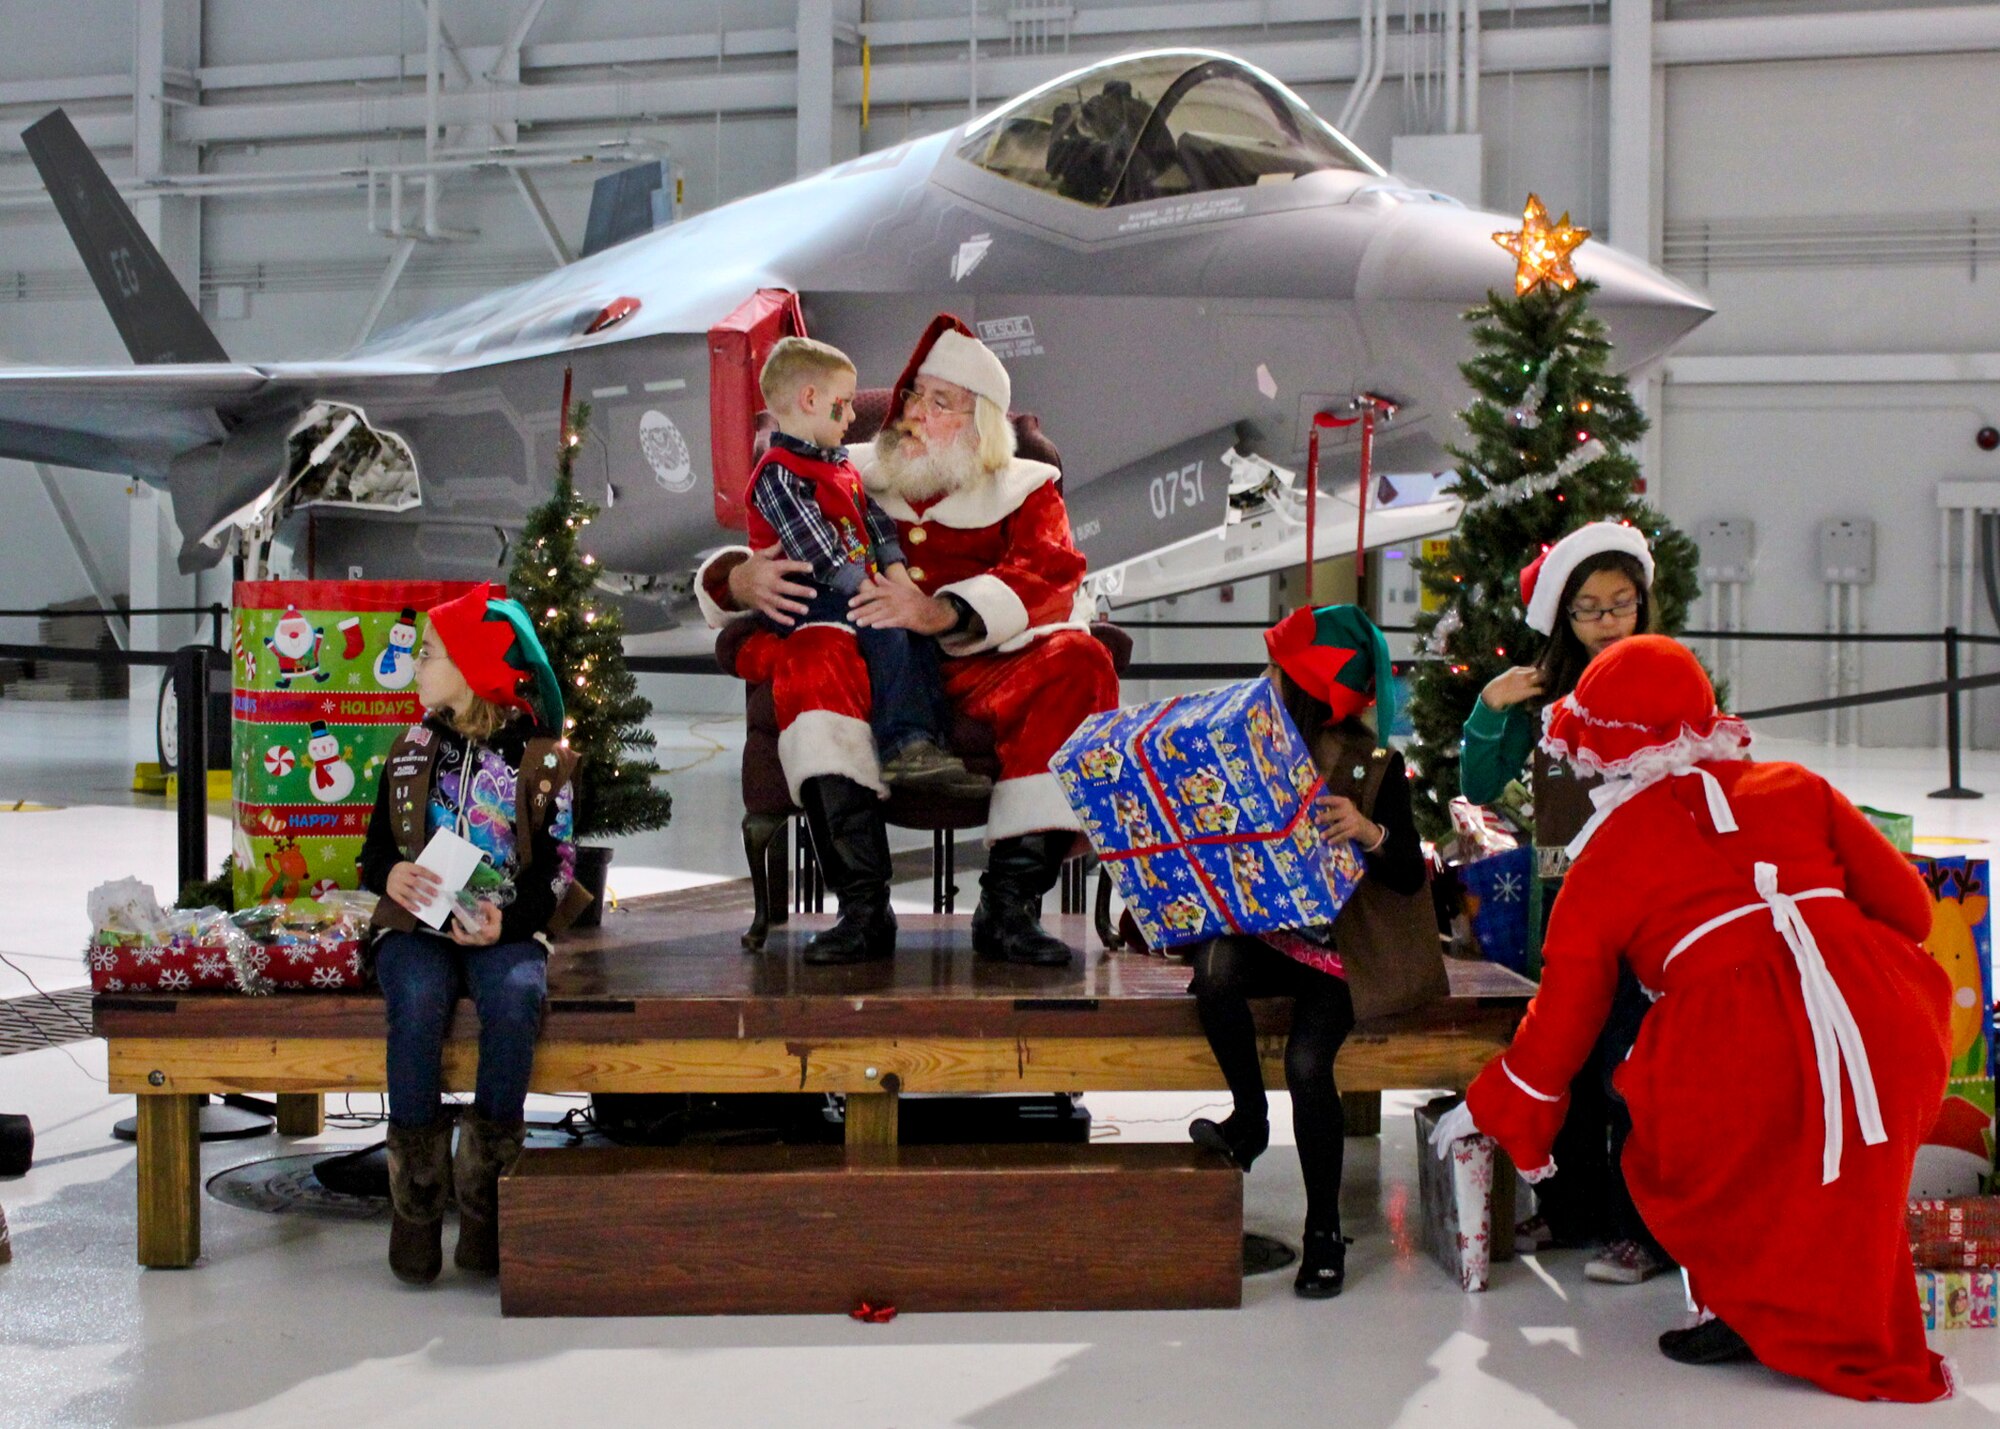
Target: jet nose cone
[[1430, 252]]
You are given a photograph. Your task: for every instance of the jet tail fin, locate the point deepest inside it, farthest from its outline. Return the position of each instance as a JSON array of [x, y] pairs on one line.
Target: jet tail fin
[[153, 313], [628, 203]]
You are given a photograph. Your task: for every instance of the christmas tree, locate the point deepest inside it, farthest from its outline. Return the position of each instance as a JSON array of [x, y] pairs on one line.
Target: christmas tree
[[583, 634], [1549, 426]]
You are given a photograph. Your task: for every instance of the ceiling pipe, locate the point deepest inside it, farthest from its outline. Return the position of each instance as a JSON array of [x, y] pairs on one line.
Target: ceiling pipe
[[1453, 39], [1367, 31], [1472, 66]]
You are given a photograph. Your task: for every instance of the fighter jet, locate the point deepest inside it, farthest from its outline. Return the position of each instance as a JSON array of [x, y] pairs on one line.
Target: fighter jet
[[1178, 260]]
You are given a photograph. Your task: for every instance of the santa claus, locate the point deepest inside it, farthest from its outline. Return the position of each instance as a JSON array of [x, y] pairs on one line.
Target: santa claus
[[1799, 1039], [997, 584]]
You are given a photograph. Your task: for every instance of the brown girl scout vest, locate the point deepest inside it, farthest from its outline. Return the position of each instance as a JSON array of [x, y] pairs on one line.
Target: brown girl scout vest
[[545, 767], [1388, 941]]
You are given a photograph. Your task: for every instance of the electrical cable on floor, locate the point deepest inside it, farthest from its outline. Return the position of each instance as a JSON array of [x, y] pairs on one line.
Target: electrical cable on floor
[[62, 1047], [1111, 1125], [715, 747]]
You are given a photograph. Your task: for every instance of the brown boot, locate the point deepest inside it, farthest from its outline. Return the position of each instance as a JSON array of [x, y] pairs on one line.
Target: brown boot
[[419, 1186], [487, 1150]]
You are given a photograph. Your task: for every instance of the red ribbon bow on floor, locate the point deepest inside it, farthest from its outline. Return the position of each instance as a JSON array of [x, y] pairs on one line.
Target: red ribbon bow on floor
[[873, 1314]]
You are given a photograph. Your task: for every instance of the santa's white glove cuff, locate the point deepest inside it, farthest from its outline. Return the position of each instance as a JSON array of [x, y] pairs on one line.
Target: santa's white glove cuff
[[1454, 1125]]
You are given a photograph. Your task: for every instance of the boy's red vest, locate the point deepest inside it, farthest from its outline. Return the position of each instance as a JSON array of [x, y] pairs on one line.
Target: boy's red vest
[[836, 487]]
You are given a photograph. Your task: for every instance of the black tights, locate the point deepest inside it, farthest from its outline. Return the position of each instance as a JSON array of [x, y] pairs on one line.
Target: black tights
[[1227, 973]]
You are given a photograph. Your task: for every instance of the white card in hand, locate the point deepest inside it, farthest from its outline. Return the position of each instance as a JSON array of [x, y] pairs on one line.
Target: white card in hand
[[452, 859]]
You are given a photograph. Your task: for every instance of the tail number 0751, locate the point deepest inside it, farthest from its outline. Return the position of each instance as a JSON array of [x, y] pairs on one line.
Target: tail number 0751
[[1176, 489]]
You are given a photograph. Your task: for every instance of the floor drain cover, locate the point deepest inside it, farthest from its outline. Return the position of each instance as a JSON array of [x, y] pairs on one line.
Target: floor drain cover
[[286, 1185]]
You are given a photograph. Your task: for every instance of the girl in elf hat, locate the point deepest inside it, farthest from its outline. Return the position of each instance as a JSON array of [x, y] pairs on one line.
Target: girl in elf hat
[[1587, 592], [1797, 1051], [1379, 955], [488, 762]]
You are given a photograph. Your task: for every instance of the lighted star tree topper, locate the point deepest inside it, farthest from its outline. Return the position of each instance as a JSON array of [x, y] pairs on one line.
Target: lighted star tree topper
[[1541, 249]]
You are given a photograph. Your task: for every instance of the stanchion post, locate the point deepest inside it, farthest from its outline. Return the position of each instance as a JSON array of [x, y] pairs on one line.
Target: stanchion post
[[191, 697], [1955, 789]]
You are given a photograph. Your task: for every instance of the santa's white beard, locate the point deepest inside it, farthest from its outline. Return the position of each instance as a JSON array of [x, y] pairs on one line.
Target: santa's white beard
[[922, 474]]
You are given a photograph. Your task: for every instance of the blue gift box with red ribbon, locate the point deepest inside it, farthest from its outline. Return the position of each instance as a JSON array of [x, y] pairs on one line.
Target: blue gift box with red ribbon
[[1201, 808]]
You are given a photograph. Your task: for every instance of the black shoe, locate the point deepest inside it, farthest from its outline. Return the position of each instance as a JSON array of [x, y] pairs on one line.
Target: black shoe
[[1238, 1138], [1008, 921], [852, 844], [1322, 1265], [1710, 1342]]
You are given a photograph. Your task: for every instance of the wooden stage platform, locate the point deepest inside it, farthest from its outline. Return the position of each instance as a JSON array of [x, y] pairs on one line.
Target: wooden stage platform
[[663, 999]]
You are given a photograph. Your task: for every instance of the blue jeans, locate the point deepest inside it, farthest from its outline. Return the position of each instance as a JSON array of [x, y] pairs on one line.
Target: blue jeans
[[905, 686], [421, 976]]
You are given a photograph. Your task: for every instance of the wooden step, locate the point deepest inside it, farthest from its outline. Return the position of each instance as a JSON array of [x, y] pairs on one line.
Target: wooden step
[[817, 1230]]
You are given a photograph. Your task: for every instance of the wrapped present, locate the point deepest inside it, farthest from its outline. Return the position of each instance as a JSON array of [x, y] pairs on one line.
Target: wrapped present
[[1494, 890], [324, 681], [1956, 1254], [1955, 1218], [1898, 829], [135, 962], [1467, 1200], [138, 946], [1961, 939], [1959, 1299], [1201, 808], [1955, 1158], [307, 945]]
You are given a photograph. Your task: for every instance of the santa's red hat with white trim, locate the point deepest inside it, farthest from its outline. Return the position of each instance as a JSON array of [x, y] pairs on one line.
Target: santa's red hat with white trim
[[1543, 580], [949, 352]]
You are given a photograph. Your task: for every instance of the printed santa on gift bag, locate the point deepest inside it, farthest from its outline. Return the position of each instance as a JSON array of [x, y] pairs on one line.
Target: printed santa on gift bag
[[324, 677], [1201, 808]]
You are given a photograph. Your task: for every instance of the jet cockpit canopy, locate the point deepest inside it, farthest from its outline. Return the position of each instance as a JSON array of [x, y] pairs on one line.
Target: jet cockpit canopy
[[1158, 125]]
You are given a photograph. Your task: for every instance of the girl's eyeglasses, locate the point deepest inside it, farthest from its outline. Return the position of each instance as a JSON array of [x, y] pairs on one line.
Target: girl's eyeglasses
[[1591, 614]]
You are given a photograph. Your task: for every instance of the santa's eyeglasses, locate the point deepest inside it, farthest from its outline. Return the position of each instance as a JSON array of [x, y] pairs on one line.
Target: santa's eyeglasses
[[914, 399], [1592, 614]]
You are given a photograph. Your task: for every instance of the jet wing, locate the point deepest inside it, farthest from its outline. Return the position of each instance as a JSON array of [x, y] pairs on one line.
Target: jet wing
[[137, 420]]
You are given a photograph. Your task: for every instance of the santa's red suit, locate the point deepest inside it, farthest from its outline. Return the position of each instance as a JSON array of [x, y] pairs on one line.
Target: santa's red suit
[[1002, 545], [1797, 1051]]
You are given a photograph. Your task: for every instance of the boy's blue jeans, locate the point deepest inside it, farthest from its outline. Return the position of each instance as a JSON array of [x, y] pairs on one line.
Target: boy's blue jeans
[[905, 687], [421, 975]]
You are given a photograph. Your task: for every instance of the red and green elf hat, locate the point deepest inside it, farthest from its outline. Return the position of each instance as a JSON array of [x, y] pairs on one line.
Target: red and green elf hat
[[494, 645], [1336, 655]]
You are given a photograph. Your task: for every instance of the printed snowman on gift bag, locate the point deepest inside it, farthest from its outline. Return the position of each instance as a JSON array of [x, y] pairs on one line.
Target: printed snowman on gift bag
[[297, 643], [332, 780], [397, 666]]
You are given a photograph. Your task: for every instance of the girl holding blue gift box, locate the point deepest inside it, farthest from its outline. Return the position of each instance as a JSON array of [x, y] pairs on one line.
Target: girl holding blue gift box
[[1328, 665]]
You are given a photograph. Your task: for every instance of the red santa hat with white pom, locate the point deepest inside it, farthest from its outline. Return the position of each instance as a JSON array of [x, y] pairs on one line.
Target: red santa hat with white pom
[[1543, 581]]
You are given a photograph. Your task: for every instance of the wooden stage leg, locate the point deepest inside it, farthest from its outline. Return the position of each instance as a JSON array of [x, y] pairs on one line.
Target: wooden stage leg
[[871, 1118], [301, 1113], [1362, 1112], [169, 1180]]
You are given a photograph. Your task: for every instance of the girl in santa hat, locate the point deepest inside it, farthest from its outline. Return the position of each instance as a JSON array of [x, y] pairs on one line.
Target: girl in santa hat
[[1329, 665], [1587, 592], [1796, 1052], [488, 762]]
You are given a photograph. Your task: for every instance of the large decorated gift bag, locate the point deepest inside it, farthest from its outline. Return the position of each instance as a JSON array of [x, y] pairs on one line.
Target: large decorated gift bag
[[1962, 942], [1201, 807], [325, 679]]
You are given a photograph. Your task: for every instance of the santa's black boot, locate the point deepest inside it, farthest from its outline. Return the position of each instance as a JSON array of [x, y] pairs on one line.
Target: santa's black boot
[[852, 844], [1008, 922]]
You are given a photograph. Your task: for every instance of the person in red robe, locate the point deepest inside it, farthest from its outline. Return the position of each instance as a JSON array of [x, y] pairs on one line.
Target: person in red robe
[[1797, 1050]]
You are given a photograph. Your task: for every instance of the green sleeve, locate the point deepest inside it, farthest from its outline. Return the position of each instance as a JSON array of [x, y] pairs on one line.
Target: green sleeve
[[1493, 750]]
